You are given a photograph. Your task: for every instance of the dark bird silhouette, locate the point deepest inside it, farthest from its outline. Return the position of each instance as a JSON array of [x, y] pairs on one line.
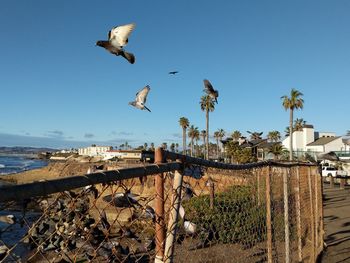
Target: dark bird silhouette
[[173, 72], [141, 98], [117, 39], [208, 88]]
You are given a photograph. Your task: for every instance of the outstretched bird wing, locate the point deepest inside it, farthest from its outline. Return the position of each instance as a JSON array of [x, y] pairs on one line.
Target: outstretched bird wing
[[118, 35], [208, 88], [141, 96]]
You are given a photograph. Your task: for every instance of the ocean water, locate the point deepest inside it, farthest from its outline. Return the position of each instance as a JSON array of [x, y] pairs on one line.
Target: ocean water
[[10, 164]]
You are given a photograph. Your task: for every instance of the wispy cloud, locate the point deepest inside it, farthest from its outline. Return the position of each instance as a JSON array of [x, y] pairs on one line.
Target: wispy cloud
[[89, 135], [121, 133], [177, 135], [54, 134]]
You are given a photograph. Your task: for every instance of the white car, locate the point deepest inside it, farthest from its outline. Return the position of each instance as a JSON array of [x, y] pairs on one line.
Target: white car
[[332, 171]]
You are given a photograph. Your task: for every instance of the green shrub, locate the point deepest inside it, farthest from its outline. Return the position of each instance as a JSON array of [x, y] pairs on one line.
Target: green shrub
[[235, 218]]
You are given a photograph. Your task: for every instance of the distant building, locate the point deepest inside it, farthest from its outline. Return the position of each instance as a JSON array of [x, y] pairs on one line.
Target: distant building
[[314, 143], [94, 150], [137, 155]]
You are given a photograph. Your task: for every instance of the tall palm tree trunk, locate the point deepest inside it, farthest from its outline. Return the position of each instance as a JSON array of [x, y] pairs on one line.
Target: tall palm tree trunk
[[191, 146], [184, 141], [207, 142], [291, 135], [217, 148]]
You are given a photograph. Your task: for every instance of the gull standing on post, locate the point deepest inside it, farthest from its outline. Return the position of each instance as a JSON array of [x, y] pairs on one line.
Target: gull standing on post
[[140, 100], [117, 39], [208, 88]]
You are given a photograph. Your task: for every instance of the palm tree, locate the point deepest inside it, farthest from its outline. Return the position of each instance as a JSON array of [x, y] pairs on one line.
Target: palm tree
[[292, 103], [164, 145], [172, 147], [255, 135], [145, 145], [236, 135], [217, 136], [176, 147], [196, 138], [204, 136], [299, 124], [221, 134], [207, 105], [152, 146], [184, 123], [277, 150], [286, 131], [191, 135], [274, 136]]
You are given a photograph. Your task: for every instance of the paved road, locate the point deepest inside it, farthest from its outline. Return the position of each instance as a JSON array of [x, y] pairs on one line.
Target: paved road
[[336, 203]]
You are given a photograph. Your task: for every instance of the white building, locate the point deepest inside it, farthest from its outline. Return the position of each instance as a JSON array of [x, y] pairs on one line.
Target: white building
[[308, 140], [94, 150]]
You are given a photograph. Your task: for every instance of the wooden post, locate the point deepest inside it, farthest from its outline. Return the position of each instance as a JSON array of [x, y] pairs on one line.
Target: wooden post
[[211, 186], [314, 175], [312, 218], [268, 216], [298, 213], [174, 215], [342, 183], [159, 208], [257, 173], [320, 191], [286, 214], [331, 182]]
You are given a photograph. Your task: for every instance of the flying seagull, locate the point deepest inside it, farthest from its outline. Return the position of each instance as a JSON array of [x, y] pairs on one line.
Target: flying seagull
[[173, 72], [140, 100], [208, 88], [117, 39]]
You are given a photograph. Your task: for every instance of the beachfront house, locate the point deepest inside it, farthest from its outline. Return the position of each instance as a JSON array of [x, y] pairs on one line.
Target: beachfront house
[[315, 143], [129, 155], [94, 150]]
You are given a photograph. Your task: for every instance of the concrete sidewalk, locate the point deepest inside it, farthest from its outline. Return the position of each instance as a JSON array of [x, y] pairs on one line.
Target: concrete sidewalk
[[336, 204]]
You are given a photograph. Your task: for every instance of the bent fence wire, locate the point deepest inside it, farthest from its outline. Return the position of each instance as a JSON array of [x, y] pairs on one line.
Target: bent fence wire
[[186, 210]]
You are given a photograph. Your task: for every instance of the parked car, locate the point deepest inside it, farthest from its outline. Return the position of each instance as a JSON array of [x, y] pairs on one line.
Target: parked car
[[332, 171]]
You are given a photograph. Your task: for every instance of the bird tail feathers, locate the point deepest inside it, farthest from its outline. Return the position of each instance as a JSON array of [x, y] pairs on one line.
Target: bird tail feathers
[[129, 56]]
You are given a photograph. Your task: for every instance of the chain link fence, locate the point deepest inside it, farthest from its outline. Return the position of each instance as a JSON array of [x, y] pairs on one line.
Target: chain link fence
[[190, 210]]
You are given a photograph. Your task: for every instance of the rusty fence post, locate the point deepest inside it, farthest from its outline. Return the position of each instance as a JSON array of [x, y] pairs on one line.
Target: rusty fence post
[[298, 213], [286, 214], [159, 209], [312, 216], [268, 215], [173, 218]]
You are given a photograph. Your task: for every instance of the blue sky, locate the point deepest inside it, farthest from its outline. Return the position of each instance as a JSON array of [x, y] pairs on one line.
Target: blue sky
[[58, 89]]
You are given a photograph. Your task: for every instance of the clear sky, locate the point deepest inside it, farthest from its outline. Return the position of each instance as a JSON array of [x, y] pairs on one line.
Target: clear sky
[[58, 89]]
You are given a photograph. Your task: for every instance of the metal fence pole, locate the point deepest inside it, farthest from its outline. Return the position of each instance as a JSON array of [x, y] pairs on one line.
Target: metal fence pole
[[286, 213], [312, 217], [159, 208], [174, 215], [298, 212], [268, 215]]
